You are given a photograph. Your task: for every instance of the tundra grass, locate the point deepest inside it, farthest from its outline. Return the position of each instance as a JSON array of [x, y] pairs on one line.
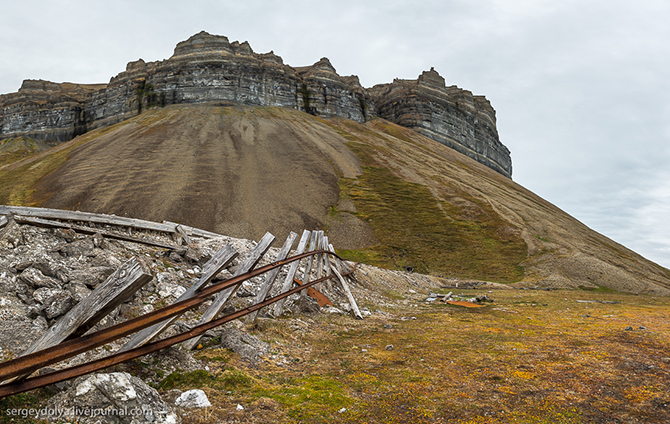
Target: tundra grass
[[414, 229], [529, 357]]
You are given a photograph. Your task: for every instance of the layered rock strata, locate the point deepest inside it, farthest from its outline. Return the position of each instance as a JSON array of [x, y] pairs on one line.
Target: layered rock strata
[[210, 69], [449, 115]]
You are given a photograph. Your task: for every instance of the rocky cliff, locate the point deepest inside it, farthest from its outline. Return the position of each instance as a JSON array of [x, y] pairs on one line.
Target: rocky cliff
[[449, 115], [210, 69]]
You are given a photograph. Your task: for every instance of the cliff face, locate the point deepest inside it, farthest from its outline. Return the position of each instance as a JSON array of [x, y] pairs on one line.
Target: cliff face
[[449, 115], [209, 69]]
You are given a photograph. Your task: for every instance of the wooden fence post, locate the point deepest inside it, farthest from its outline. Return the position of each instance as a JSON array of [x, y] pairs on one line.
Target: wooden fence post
[[220, 299], [288, 282], [272, 275]]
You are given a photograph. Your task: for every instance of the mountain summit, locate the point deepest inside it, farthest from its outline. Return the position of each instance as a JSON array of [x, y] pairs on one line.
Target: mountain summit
[[209, 69]]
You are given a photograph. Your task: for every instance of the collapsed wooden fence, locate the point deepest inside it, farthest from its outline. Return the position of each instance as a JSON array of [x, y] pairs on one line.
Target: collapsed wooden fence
[[68, 337]]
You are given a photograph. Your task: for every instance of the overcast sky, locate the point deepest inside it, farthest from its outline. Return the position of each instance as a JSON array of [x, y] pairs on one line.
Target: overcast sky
[[580, 87]]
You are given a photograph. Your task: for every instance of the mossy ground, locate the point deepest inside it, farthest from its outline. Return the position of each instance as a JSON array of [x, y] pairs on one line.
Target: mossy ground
[[415, 229], [529, 357]]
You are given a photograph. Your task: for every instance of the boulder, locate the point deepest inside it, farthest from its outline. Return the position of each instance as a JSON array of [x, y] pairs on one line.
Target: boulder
[[35, 279], [244, 344], [56, 301], [117, 398], [193, 399]]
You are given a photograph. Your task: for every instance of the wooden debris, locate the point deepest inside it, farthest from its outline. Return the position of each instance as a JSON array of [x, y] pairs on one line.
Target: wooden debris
[[272, 275], [179, 229], [347, 292], [3, 221], [308, 267], [99, 219], [87, 230], [288, 281]]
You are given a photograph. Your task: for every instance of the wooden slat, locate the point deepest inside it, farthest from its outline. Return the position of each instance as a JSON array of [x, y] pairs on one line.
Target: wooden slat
[[272, 275], [220, 299], [347, 292], [100, 219], [219, 261], [308, 267], [192, 231], [319, 257], [279, 306], [87, 230], [183, 234], [116, 289], [325, 246]]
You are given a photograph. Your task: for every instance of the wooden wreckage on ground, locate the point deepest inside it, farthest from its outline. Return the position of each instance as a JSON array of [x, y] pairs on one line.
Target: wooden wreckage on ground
[[68, 337]]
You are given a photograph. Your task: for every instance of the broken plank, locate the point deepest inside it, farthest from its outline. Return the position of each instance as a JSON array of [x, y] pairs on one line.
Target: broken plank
[[272, 275], [347, 292], [183, 234], [279, 306], [87, 230], [220, 259], [220, 299], [116, 289]]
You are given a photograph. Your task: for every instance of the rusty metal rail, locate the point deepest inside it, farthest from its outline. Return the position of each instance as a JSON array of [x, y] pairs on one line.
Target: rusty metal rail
[[69, 348]]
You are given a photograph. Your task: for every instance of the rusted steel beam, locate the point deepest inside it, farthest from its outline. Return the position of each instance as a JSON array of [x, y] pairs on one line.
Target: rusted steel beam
[[87, 368], [67, 349], [321, 298]]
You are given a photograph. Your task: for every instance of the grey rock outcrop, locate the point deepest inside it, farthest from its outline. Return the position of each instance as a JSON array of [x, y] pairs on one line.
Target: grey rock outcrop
[[209, 69], [110, 398], [449, 115]]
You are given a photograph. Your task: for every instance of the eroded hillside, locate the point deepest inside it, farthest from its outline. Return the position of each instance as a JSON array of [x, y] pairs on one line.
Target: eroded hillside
[[386, 194]]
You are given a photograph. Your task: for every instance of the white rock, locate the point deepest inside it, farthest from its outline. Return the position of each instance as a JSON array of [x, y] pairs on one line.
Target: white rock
[[239, 407], [193, 399]]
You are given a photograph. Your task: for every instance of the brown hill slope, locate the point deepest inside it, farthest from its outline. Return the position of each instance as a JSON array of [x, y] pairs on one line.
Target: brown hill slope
[[385, 193]]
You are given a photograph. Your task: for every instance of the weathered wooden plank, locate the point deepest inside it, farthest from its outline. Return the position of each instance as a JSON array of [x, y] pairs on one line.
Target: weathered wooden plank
[[347, 292], [319, 257], [100, 219], [220, 299], [279, 306], [272, 275], [3, 221], [116, 289], [87, 230], [220, 259], [325, 246], [308, 267], [183, 234], [192, 231]]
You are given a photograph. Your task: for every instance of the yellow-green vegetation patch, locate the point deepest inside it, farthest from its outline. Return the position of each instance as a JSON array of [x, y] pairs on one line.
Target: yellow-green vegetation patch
[[15, 149], [313, 398], [413, 230]]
